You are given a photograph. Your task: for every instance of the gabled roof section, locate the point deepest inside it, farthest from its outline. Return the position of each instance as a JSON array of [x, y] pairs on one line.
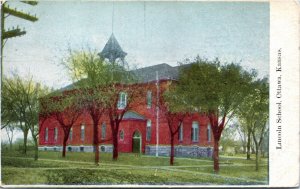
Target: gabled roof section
[[112, 50], [164, 70], [147, 74], [133, 115]]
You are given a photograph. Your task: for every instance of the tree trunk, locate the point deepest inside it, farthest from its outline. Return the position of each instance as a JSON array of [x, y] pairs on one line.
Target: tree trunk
[[36, 148], [256, 157], [25, 134], [115, 145], [172, 150], [216, 156], [64, 146], [248, 145], [96, 142], [262, 153], [253, 149], [10, 144]]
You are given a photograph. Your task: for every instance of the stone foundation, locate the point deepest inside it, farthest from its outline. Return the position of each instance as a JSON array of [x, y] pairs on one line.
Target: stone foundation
[[102, 148], [180, 151]]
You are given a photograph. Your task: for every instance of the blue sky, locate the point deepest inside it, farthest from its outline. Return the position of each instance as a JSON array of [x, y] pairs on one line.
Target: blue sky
[[151, 33]]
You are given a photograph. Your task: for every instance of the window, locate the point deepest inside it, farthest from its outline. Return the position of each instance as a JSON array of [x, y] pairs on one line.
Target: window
[[70, 149], [195, 132], [81, 149], [148, 130], [82, 132], [122, 100], [149, 99], [55, 134], [46, 134], [103, 131], [71, 134], [180, 133], [208, 133], [121, 135]]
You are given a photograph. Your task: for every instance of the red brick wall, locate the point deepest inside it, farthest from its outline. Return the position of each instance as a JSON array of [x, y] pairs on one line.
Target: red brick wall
[[130, 126]]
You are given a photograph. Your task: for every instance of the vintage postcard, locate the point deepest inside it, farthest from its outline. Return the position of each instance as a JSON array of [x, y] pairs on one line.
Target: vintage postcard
[[150, 93]]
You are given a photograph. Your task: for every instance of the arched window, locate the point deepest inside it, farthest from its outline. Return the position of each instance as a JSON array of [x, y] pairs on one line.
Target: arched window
[[121, 135], [103, 131], [148, 130], [82, 132], [208, 133], [180, 133], [195, 131], [55, 134], [46, 134]]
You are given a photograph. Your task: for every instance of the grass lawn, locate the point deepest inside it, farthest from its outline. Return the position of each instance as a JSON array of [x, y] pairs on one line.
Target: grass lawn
[[78, 168]]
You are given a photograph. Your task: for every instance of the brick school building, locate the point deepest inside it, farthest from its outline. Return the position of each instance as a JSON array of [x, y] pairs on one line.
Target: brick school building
[[144, 128]]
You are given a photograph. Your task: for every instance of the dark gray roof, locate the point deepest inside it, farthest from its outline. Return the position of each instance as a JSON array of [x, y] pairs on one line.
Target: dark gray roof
[[147, 74], [133, 115], [112, 50], [164, 71]]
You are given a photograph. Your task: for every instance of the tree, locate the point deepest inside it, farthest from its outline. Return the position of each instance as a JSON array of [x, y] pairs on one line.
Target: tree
[[63, 109], [90, 91], [32, 94], [120, 95], [216, 90], [101, 84], [20, 107], [14, 105], [242, 131], [10, 129], [260, 100], [172, 106]]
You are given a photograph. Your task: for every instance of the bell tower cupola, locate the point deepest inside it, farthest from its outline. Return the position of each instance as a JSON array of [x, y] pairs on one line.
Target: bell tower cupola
[[112, 50]]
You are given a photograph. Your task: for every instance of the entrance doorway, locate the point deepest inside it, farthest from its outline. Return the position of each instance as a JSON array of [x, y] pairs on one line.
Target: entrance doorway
[[136, 142]]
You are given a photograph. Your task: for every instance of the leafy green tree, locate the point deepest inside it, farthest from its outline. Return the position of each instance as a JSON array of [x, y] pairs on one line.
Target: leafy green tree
[[100, 85], [32, 94], [10, 131], [63, 109], [14, 106], [20, 97], [172, 104], [216, 90], [242, 131], [255, 112], [90, 75]]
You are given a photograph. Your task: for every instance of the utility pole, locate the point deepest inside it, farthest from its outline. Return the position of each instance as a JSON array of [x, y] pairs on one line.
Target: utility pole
[[157, 113], [13, 32]]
